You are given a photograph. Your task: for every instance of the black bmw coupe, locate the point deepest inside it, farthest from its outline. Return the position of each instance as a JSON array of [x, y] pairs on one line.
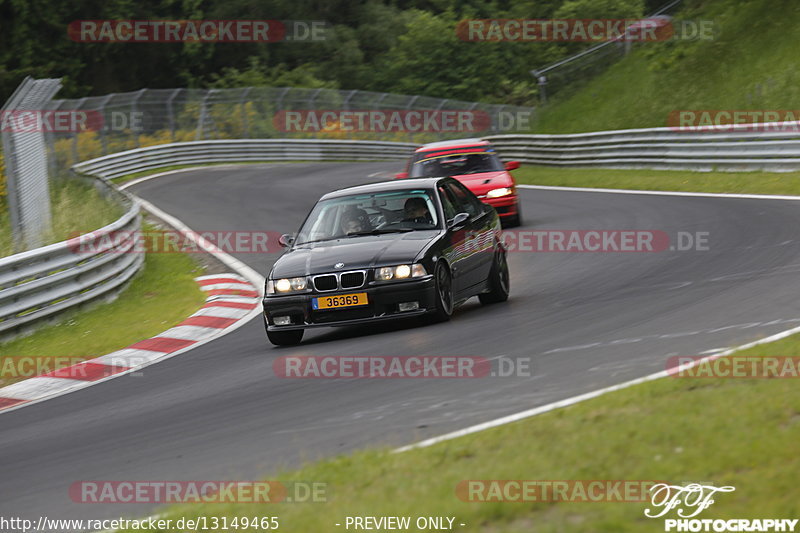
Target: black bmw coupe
[[384, 251]]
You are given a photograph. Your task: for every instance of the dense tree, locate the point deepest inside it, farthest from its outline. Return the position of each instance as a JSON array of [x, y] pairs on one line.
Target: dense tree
[[407, 46]]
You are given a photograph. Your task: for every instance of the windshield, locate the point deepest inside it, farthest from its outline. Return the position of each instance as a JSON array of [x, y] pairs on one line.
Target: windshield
[[455, 163], [370, 214]]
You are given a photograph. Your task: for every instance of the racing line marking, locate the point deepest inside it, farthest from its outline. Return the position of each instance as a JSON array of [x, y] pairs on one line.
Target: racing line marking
[[672, 335]]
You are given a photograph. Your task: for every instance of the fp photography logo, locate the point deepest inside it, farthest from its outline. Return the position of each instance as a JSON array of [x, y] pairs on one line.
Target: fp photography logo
[[690, 500]]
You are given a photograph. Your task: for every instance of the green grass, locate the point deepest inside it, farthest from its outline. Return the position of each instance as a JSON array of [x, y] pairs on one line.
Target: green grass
[[751, 65], [77, 207], [787, 183], [160, 296], [740, 432]]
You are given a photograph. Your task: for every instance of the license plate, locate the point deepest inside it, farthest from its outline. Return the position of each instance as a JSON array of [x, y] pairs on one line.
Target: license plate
[[340, 300]]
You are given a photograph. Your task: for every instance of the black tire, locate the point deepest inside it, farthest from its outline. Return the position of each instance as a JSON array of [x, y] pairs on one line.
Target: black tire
[[499, 281], [444, 294], [284, 338]]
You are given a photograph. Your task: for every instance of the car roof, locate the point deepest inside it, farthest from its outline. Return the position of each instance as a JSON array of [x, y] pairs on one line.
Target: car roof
[[453, 143], [394, 185]]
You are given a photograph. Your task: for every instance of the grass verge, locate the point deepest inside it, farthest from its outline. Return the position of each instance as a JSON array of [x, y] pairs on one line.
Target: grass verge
[[739, 432], [76, 206], [160, 296], [787, 183]]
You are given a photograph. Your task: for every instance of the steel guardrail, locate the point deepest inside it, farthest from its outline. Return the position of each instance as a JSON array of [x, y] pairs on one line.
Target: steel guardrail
[[242, 150], [743, 147], [38, 284]]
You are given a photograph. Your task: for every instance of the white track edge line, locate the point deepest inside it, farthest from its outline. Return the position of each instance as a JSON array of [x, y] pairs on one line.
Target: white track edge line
[[586, 396], [175, 171], [663, 193], [208, 166], [256, 279]]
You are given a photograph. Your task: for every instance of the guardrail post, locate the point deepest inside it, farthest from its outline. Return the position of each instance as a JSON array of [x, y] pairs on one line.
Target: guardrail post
[[135, 109], [408, 107], [201, 122], [542, 80], [76, 156], [106, 127], [171, 113], [242, 104]]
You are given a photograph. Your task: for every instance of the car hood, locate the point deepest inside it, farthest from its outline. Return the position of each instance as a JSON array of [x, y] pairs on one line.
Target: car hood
[[355, 252], [484, 182]]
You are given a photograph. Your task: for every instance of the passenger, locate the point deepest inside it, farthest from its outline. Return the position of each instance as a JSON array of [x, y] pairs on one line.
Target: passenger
[[355, 221]]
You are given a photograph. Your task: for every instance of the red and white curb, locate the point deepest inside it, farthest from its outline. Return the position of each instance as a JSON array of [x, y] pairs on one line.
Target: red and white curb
[[232, 301]]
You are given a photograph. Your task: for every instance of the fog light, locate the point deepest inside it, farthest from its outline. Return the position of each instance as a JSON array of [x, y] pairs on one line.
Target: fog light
[[282, 320], [408, 306]]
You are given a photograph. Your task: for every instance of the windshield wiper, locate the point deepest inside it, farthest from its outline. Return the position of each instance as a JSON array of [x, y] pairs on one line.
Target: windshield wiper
[[311, 242], [379, 231]]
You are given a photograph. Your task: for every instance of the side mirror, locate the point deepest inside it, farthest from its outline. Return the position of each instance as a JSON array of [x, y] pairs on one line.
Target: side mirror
[[401, 175], [512, 165], [459, 221], [286, 240]]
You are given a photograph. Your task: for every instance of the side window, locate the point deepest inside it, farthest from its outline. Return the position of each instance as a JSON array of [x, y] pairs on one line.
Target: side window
[[465, 201], [447, 203]]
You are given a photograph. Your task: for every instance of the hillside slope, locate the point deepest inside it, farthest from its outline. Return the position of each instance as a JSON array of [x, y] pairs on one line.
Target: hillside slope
[[751, 64]]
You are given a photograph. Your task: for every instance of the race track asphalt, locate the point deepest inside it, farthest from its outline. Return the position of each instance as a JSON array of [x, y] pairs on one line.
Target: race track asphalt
[[583, 320]]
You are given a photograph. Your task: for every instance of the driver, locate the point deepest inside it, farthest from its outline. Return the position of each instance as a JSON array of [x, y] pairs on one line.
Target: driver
[[416, 210], [474, 164]]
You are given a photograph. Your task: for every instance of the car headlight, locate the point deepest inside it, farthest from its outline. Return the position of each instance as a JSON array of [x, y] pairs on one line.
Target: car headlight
[[286, 285], [400, 272], [502, 191]]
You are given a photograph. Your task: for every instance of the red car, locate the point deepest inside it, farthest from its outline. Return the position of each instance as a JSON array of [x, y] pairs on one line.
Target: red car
[[474, 163]]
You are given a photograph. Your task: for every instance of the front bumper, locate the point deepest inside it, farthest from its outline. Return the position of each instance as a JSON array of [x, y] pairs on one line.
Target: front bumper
[[506, 206], [383, 305]]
